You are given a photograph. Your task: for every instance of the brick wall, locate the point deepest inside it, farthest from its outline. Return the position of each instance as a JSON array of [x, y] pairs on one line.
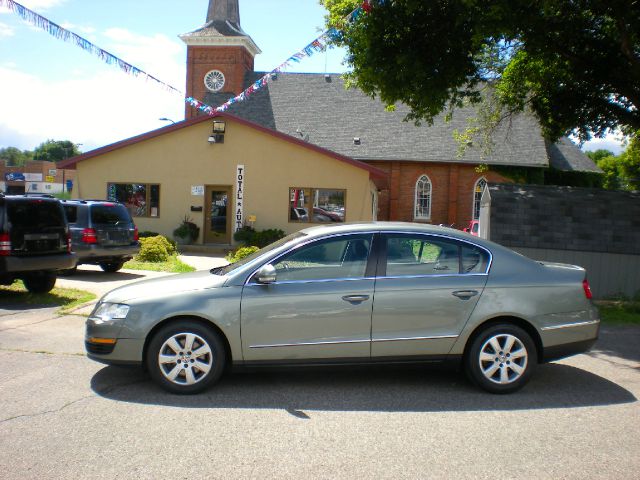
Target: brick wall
[[233, 62], [451, 190]]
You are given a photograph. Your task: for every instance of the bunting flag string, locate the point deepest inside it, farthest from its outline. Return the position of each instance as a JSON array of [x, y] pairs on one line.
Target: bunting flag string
[[320, 44]]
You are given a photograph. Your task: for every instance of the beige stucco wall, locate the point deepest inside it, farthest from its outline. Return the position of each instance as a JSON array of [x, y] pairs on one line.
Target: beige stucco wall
[[183, 158]]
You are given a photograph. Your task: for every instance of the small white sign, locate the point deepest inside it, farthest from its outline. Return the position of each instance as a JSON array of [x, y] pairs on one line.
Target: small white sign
[[239, 200], [53, 172], [33, 177], [197, 190]]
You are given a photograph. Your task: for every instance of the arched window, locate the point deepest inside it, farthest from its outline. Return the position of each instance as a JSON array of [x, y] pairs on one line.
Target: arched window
[[477, 195], [422, 206]]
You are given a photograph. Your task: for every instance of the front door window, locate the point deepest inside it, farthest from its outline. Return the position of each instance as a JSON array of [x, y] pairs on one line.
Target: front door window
[[217, 229]]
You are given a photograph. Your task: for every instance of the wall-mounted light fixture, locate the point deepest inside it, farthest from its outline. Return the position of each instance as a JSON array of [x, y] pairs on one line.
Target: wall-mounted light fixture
[[217, 134]]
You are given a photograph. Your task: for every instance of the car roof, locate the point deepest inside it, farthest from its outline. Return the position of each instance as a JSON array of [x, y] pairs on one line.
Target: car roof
[[320, 230]]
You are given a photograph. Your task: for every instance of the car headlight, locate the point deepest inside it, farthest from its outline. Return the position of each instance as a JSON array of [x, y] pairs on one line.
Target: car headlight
[[107, 312]]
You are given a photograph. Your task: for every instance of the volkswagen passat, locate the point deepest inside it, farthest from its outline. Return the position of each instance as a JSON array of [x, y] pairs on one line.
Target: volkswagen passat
[[352, 294]]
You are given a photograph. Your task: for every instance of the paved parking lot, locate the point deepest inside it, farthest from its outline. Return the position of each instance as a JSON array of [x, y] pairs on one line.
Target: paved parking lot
[[64, 416]]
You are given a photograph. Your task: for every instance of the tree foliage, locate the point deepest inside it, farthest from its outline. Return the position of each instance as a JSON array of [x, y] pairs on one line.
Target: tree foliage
[[621, 172], [56, 150], [574, 63], [14, 157]]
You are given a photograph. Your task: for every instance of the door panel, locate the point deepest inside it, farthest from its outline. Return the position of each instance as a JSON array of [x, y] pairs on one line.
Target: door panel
[[427, 289], [421, 316], [217, 222], [318, 307], [306, 320]]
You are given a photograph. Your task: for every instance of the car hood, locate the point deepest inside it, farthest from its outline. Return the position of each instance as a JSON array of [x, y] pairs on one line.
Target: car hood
[[165, 286]]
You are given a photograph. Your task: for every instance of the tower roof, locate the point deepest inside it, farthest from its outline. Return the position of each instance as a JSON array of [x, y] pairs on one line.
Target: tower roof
[[222, 28]]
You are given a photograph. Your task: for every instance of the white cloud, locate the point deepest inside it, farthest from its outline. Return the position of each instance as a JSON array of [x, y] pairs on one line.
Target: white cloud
[[158, 55], [6, 30], [79, 29], [95, 110]]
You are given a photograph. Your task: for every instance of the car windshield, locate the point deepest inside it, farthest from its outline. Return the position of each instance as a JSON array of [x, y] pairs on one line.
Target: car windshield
[[224, 270], [35, 212], [109, 214]]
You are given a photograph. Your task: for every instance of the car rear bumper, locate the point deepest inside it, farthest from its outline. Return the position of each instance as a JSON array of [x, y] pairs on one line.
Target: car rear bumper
[[98, 253], [39, 263]]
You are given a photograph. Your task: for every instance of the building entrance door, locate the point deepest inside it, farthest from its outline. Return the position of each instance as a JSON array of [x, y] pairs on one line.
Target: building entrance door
[[217, 221]]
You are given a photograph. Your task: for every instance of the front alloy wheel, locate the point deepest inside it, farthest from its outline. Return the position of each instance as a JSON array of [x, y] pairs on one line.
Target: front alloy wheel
[[185, 357], [501, 358]]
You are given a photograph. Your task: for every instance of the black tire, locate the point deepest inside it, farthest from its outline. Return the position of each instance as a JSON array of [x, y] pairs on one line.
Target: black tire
[[111, 267], [39, 283], [188, 369], [510, 367]]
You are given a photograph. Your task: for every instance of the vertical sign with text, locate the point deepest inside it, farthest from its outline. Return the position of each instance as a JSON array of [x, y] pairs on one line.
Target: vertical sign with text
[[239, 201]]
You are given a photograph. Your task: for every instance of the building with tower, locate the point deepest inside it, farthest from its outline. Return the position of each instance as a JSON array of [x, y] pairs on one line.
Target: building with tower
[[311, 150]]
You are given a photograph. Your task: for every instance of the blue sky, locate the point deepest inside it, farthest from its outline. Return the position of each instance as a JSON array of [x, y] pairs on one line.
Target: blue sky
[[53, 89]]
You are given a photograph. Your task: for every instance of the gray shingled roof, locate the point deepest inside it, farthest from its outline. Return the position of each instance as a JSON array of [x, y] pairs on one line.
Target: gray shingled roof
[[565, 218], [566, 156], [319, 108]]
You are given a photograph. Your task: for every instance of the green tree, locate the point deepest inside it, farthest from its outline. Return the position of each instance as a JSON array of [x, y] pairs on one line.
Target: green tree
[[575, 64], [621, 172], [14, 156], [597, 155], [56, 150]]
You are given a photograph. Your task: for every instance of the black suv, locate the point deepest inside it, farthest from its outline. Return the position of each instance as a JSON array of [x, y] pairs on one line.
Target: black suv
[[102, 233], [34, 241]]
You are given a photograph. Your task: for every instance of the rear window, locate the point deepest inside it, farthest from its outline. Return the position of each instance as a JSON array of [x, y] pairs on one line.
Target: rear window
[[113, 214], [35, 213]]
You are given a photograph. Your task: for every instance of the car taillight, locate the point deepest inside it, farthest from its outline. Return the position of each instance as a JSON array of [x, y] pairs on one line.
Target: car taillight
[[89, 236], [68, 242], [136, 237], [5, 244], [587, 289]]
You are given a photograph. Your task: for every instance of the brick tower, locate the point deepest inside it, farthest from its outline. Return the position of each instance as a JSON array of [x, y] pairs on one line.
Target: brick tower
[[219, 54]]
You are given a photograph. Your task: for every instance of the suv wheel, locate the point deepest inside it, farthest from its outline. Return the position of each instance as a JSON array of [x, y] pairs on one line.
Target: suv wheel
[[501, 359], [111, 267], [185, 357], [39, 283]]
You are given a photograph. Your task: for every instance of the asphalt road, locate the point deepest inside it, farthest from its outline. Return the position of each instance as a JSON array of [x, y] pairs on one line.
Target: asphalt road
[[64, 416]]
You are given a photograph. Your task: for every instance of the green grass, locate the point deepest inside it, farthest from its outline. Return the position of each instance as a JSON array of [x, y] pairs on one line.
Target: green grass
[[619, 312], [173, 265], [66, 298]]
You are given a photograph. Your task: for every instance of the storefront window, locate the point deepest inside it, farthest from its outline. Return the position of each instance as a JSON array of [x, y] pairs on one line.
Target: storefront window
[[317, 205], [141, 199]]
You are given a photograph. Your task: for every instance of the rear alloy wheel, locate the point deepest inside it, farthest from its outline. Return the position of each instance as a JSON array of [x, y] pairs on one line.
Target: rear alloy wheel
[[39, 283], [111, 267], [501, 359], [185, 357]]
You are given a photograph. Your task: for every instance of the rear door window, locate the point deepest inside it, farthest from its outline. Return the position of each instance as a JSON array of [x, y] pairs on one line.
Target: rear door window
[[71, 211], [110, 214], [35, 214]]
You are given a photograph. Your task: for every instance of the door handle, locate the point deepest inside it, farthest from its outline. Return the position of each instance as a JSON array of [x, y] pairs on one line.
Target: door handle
[[465, 294], [355, 298]]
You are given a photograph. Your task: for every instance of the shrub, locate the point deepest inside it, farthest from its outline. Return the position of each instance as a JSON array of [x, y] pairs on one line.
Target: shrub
[[170, 245], [240, 253], [249, 236], [153, 249]]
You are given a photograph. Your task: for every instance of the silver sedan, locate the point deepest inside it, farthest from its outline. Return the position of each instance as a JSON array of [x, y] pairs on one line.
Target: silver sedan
[[352, 294]]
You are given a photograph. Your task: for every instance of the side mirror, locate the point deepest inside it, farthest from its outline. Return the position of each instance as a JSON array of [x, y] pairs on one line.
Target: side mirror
[[465, 230], [266, 274]]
